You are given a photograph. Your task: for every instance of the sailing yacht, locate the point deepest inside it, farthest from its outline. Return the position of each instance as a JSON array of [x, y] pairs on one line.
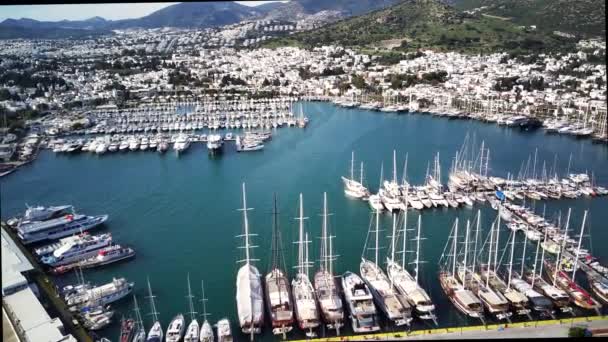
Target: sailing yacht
[[390, 193], [278, 296], [249, 298], [192, 332], [305, 303], [324, 281], [352, 187], [156, 332], [462, 298], [494, 301], [396, 308], [363, 314], [403, 281], [206, 332], [139, 334]]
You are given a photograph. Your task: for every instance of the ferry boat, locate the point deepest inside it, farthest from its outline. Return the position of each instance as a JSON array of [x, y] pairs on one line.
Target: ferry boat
[[363, 314], [224, 333], [176, 328], [47, 250], [78, 249], [108, 255], [57, 228], [104, 294]]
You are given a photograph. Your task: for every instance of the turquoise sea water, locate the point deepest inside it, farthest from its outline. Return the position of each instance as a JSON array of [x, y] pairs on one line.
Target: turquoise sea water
[[179, 213]]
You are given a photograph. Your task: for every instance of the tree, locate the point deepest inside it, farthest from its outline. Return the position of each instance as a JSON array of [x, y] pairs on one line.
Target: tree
[[358, 81]]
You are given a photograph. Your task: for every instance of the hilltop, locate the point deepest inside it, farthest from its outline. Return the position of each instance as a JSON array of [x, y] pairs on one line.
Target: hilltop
[[414, 24], [579, 17]]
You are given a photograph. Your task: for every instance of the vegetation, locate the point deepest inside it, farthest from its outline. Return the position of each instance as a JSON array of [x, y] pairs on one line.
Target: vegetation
[[581, 17], [429, 24]]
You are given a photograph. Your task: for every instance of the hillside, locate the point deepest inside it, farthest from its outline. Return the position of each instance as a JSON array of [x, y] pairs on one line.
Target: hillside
[[585, 17], [429, 24]]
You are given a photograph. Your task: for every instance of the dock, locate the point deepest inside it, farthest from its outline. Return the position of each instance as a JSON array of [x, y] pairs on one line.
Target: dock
[[537, 329]]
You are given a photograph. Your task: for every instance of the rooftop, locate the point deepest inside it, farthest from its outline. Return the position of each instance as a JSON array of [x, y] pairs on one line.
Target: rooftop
[[14, 263]]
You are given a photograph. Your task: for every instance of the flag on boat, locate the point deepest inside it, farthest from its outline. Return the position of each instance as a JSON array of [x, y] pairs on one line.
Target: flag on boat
[[500, 195]]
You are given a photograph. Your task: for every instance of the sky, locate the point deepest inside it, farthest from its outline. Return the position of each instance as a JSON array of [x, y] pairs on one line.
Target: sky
[[85, 11]]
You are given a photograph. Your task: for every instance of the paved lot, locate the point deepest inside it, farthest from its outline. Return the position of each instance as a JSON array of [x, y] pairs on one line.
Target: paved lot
[[8, 334]]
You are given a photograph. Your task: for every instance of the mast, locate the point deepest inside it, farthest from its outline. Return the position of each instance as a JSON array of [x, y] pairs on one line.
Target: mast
[[361, 175], [534, 167], [352, 165], [417, 250], [542, 260], [580, 240], [394, 166], [466, 248], [490, 254], [306, 254], [558, 264], [404, 240], [324, 246], [523, 256], [454, 247], [153, 313], [190, 296], [246, 227], [393, 238], [140, 322], [511, 259], [302, 263], [475, 244], [497, 241], [376, 242], [404, 180], [203, 300]]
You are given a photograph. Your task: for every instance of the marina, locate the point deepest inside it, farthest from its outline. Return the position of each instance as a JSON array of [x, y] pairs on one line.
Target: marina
[[191, 181]]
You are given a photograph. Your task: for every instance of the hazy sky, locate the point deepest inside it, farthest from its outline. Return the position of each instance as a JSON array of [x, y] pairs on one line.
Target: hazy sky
[[85, 11]]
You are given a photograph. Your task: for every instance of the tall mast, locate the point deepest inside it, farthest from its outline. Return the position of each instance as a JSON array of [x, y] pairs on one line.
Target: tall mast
[[204, 300], [511, 259], [534, 167], [394, 166], [404, 251], [246, 226], [497, 241], [490, 255], [352, 165], [140, 322], [417, 249], [454, 247], [558, 264], [306, 254], [376, 242], [569, 163], [153, 313], [475, 244], [404, 180], [523, 256], [466, 248], [542, 260], [302, 263], [580, 240], [324, 246], [190, 296], [361, 176], [393, 238]]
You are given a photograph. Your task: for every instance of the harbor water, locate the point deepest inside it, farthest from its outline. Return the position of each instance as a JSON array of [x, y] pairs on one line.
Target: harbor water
[[180, 212]]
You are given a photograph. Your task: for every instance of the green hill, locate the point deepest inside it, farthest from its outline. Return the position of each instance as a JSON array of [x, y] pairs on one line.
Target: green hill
[[584, 17], [428, 24]]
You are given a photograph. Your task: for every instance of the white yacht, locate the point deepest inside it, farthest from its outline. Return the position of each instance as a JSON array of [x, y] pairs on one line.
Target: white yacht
[[143, 145], [214, 143], [133, 144], [181, 143], [363, 313]]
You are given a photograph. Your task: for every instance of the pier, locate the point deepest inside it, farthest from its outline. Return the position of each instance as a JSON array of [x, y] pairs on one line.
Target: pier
[[537, 329]]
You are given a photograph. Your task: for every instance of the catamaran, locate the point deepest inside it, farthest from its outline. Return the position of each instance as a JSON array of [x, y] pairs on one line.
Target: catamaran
[[305, 303], [403, 281], [249, 297], [462, 298], [192, 332], [156, 332], [278, 296], [324, 281], [394, 306]]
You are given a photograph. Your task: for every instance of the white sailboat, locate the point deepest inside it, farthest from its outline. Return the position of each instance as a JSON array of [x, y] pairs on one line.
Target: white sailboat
[[206, 332], [324, 281], [303, 292], [404, 282], [156, 332], [396, 309], [192, 332], [352, 187], [249, 297], [139, 330]]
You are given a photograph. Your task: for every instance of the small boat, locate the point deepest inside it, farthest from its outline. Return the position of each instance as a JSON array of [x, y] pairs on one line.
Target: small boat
[[363, 314], [223, 330], [156, 332], [192, 332], [175, 330], [127, 329]]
